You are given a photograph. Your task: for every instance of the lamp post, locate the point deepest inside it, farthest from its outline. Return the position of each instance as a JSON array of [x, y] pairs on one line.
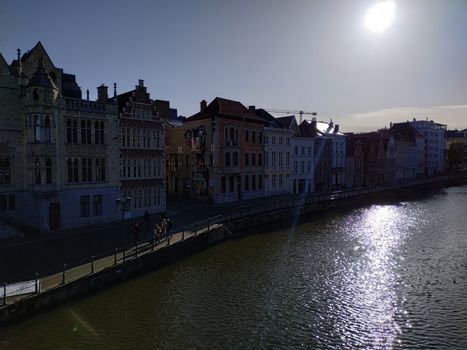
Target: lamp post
[[122, 203]]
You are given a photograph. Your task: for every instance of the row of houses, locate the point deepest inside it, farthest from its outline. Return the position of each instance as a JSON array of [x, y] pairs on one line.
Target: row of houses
[[228, 152], [67, 161]]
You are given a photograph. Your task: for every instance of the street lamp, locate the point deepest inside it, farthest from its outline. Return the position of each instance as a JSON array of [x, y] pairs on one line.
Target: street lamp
[[122, 203]]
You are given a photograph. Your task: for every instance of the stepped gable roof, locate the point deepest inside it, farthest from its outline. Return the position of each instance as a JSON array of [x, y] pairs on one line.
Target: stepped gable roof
[[406, 130], [227, 108], [122, 99], [41, 77]]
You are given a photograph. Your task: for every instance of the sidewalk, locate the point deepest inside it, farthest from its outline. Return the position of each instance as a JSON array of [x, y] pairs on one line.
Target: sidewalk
[[21, 258]]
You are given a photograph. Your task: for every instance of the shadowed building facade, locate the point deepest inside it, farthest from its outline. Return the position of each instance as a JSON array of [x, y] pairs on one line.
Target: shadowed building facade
[[56, 149]]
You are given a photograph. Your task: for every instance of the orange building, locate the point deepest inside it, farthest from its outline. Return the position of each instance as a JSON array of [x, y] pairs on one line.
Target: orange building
[[226, 140]]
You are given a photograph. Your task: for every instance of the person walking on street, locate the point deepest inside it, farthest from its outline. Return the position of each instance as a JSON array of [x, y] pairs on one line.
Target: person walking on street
[[169, 227]]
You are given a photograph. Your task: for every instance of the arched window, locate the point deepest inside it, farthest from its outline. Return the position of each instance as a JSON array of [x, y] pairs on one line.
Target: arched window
[[37, 128], [48, 171], [37, 171], [69, 138], [47, 129]]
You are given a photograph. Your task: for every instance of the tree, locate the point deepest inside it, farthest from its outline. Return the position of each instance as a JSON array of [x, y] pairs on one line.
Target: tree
[[455, 154]]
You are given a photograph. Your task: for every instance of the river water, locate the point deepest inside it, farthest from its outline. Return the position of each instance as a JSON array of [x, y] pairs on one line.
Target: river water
[[386, 276]]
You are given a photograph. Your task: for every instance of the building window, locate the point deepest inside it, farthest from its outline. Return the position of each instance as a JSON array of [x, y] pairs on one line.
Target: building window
[[88, 132], [295, 151], [247, 183], [273, 181], [260, 159], [273, 158], [235, 159], [253, 136], [280, 141], [100, 169], [84, 170], [12, 202], [253, 182], [75, 170], [287, 158], [227, 159], [247, 159], [102, 134], [302, 150], [35, 94], [280, 181], [309, 167], [5, 172], [231, 181], [70, 170], [83, 131], [253, 159], [37, 129], [69, 132], [84, 206], [47, 129], [302, 168], [280, 158], [97, 205], [48, 171], [260, 137], [74, 130], [260, 181], [309, 150], [37, 171], [223, 184], [246, 136]]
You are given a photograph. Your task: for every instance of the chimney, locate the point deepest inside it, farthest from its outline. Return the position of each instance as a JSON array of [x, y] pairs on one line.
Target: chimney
[[390, 125], [252, 108], [202, 105], [414, 119], [336, 128], [140, 83], [102, 94], [313, 123], [331, 124]]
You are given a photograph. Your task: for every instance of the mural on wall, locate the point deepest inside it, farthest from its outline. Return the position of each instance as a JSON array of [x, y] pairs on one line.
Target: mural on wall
[[196, 140]]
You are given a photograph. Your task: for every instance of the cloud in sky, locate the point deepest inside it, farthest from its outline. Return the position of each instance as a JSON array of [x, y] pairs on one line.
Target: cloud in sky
[[454, 116]]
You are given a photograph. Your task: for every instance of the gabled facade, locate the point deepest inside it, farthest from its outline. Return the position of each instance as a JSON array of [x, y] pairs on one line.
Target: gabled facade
[[413, 165], [277, 155], [56, 149], [142, 158], [227, 141]]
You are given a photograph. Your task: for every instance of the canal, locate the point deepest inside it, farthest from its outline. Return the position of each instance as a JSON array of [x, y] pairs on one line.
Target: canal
[[386, 276]]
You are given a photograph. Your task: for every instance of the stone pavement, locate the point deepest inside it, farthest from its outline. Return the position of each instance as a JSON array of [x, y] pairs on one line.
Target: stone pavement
[[21, 258]]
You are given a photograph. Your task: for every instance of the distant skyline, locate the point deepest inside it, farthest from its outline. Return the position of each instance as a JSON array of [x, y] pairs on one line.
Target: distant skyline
[[302, 55]]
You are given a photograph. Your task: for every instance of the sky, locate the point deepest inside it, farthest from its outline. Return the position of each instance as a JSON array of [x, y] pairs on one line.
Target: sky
[[315, 56]]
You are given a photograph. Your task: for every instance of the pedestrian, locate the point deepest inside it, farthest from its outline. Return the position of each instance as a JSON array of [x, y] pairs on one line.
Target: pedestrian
[[136, 232], [170, 225], [163, 227], [157, 233]]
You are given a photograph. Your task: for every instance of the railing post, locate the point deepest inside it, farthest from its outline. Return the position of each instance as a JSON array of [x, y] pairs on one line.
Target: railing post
[[4, 294], [63, 274], [168, 239], [115, 256], [37, 283], [92, 264]]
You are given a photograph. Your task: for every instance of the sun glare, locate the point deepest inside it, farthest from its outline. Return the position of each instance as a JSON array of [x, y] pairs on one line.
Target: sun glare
[[380, 16]]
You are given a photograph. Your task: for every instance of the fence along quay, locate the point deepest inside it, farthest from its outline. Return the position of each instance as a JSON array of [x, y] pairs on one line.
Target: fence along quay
[[20, 299]]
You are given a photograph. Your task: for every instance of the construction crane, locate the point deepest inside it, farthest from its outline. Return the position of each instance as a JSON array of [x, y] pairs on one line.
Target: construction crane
[[291, 111]]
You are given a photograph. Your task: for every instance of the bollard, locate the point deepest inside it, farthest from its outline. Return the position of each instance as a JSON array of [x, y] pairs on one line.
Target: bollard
[[4, 294], [37, 283], [168, 240], [63, 275], [92, 264], [115, 257]]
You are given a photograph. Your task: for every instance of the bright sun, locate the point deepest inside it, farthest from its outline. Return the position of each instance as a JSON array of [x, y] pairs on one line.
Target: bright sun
[[380, 16]]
